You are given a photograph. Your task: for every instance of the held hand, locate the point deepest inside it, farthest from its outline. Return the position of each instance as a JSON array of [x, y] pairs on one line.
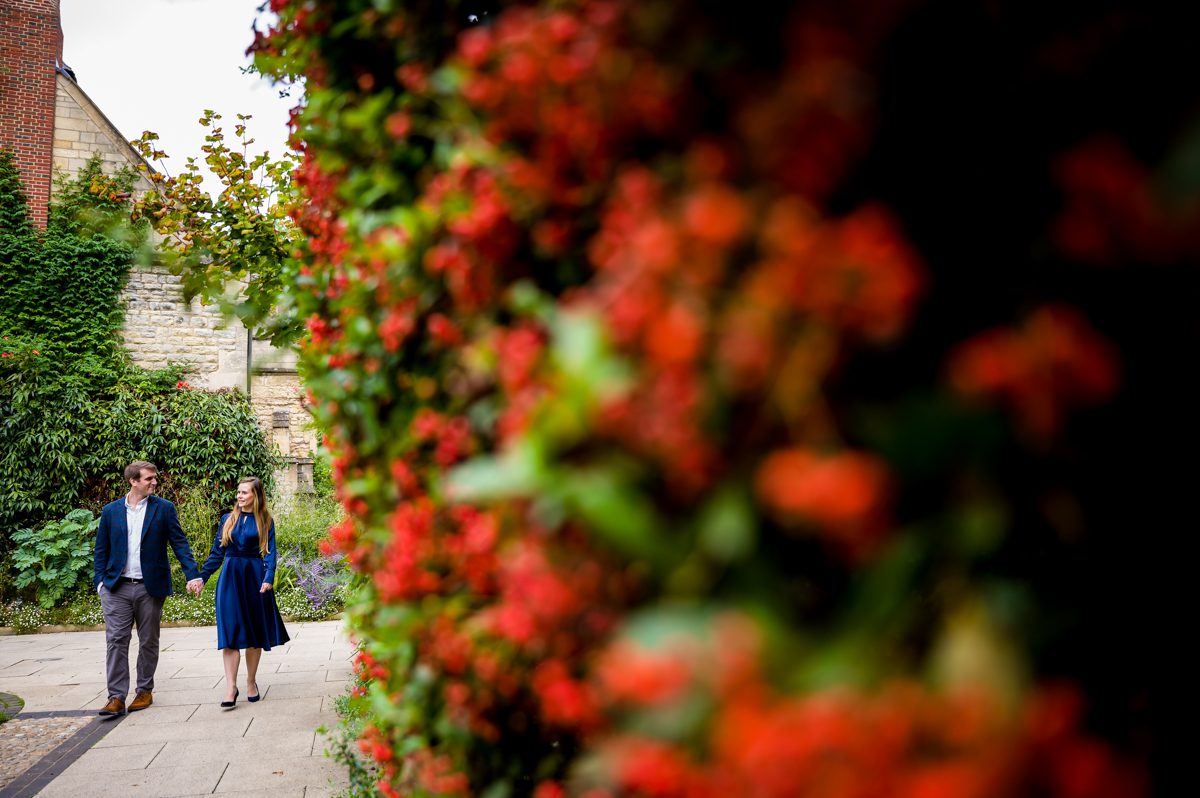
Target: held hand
[[195, 586], [265, 587]]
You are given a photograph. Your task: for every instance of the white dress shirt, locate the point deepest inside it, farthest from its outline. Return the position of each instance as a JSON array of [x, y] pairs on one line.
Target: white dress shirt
[[134, 517]]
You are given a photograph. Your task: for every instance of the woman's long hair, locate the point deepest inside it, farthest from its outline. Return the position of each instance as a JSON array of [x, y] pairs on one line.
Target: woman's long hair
[[262, 516]]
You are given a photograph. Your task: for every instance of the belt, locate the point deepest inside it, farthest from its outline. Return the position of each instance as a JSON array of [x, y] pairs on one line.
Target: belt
[[244, 555], [129, 580]]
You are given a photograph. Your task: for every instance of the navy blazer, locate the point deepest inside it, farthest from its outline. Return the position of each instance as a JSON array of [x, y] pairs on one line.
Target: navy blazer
[[159, 527]]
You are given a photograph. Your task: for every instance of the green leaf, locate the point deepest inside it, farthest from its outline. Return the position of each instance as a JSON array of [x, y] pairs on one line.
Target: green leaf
[[727, 529]]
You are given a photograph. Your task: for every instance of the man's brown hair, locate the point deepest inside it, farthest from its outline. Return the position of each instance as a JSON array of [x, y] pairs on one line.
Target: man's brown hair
[[134, 470]]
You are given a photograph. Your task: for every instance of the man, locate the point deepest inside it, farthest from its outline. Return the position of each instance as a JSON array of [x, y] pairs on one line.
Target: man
[[133, 579]]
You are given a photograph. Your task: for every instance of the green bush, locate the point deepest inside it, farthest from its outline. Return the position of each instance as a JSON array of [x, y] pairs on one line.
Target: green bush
[[304, 521], [198, 518], [322, 474], [80, 607], [53, 558], [66, 356]]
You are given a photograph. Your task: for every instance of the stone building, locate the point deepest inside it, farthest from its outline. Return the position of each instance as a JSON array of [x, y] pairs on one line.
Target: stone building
[[53, 127]]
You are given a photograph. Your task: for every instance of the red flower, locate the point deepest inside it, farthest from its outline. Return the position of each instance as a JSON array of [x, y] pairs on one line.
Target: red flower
[[655, 769], [842, 493], [549, 789], [398, 124], [444, 331], [648, 678], [564, 701], [716, 214], [1111, 210], [1053, 362], [517, 353], [398, 324]]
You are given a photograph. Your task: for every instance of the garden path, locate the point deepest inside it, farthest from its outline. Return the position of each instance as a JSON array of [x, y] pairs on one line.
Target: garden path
[[185, 744]]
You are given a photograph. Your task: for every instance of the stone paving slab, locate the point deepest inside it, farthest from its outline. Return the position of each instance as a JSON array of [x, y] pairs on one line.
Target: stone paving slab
[[276, 708], [303, 689], [185, 744], [162, 685], [158, 782], [285, 792], [280, 773], [242, 753], [126, 757], [161, 713], [216, 730]]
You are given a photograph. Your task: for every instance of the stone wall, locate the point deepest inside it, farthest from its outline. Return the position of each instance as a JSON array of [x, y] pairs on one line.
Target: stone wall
[[161, 328], [278, 399], [81, 130]]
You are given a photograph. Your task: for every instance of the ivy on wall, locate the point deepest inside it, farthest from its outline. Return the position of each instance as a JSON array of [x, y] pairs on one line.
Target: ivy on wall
[[74, 410], [61, 286]]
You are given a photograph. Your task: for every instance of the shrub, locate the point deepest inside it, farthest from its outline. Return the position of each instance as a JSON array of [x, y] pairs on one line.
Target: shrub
[[83, 608], [724, 400], [322, 474], [198, 518], [53, 558], [303, 522], [24, 617]]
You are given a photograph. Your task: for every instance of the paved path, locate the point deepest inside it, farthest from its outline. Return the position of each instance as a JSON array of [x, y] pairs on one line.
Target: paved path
[[186, 745]]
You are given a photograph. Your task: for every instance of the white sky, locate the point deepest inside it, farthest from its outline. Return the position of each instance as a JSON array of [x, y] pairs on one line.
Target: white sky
[[157, 64]]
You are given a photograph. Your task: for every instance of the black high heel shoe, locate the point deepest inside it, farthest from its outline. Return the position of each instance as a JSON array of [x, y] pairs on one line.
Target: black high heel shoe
[[233, 703], [255, 697]]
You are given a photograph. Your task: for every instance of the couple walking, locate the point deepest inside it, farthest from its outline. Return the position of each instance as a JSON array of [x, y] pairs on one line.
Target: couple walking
[[133, 579]]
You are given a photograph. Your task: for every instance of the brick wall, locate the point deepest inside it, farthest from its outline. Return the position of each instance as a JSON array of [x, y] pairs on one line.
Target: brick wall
[[49, 121], [30, 46]]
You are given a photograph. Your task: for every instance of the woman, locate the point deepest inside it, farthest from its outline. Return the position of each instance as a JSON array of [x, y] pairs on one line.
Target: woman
[[246, 613]]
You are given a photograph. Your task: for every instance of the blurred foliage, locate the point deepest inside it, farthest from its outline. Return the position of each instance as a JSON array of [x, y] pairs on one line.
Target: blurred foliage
[[749, 402]]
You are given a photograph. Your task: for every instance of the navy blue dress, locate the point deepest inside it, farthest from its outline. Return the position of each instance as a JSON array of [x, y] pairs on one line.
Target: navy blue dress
[[246, 617]]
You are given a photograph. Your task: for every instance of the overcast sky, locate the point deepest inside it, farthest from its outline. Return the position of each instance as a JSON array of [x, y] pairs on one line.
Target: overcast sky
[[157, 64]]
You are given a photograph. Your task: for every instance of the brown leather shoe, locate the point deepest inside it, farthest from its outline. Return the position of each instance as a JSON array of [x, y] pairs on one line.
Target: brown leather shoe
[[114, 708], [141, 701]]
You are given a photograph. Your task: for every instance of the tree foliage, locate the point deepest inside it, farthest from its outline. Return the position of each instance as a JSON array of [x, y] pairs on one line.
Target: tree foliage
[[234, 248]]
